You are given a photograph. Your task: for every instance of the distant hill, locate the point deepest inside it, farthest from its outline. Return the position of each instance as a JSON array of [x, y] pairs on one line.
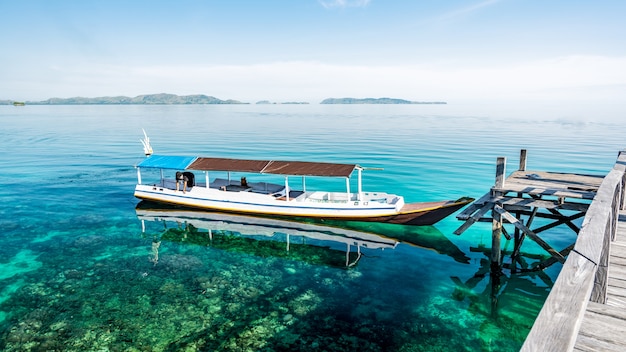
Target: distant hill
[[261, 102], [172, 99], [150, 99], [376, 101]]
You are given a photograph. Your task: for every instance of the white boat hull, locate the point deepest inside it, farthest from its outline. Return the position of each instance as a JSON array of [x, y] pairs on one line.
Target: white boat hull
[[257, 203]]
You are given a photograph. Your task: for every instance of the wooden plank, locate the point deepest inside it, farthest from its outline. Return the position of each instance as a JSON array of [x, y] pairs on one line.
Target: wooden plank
[[496, 232], [607, 327], [567, 220], [545, 191], [522, 160], [599, 292], [476, 217], [607, 310], [589, 344], [603, 329], [616, 282], [616, 301], [572, 180], [470, 209], [618, 250], [556, 326], [500, 171], [590, 239], [621, 161], [617, 261], [617, 272], [548, 262], [617, 269], [540, 203], [617, 292], [528, 232]]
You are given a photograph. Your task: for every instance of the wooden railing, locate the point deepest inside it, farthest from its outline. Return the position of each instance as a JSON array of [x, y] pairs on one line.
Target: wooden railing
[[583, 277]]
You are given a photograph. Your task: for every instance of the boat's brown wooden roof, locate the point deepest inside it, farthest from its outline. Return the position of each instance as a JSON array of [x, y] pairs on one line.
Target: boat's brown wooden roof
[[296, 168], [224, 164]]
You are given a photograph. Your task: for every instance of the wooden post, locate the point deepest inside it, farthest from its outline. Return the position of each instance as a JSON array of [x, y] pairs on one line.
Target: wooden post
[[496, 227], [496, 235], [518, 237], [522, 160], [500, 171]]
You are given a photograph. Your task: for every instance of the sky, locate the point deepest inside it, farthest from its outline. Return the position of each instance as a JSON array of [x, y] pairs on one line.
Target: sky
[[309, 50]]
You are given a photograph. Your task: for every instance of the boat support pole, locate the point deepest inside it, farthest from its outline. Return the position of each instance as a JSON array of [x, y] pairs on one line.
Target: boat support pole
[[287, 187], [206, 178], [360, 184], [348, 187], [138, 176]]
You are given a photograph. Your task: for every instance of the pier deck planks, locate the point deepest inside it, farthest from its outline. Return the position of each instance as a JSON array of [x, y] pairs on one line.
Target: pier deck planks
[[553, 184], [603, 327]]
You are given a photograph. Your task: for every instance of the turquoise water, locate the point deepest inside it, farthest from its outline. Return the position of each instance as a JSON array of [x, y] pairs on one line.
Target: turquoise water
[[78, 272]]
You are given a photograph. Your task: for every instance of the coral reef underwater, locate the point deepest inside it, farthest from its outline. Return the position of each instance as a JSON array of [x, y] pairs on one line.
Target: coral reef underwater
[[181, 290]]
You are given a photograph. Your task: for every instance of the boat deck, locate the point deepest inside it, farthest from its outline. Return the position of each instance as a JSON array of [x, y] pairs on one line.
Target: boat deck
[[414, 207]]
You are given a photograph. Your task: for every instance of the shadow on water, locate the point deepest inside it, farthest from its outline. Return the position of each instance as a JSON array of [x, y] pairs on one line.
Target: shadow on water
[[426, 237]]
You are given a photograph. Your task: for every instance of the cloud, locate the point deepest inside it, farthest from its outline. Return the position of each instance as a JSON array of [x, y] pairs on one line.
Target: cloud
[[565, 78], [562, 77], [329, 4], [467, 10]]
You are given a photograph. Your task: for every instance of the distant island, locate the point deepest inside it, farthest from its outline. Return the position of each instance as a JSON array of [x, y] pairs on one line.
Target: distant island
[[173, 99], [150, 99], [261, 102], [376, 101]]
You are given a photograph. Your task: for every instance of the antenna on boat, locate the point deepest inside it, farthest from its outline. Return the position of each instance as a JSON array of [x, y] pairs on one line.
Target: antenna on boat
[[147, 148]]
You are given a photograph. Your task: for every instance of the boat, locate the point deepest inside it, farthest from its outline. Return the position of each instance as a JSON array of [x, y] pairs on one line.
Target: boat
[[315, 244], [177, 183]]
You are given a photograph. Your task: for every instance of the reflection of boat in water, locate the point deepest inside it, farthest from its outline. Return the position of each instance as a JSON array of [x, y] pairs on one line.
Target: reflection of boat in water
[[426, 237], [262, 236], [241, 231]]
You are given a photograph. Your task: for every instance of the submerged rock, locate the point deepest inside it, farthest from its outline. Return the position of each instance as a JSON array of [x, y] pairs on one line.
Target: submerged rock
[[179, 262]]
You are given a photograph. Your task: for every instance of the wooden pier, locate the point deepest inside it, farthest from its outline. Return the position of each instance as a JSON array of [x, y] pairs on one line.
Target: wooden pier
[[603, 326], [586, 307]]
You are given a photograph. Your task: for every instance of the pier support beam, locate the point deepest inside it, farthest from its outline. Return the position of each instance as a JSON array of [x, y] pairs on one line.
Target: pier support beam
[[496, 225], [496, 236], [519, 199]]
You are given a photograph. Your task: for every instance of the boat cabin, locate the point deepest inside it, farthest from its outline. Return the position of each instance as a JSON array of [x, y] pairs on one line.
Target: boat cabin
[[208, 166]]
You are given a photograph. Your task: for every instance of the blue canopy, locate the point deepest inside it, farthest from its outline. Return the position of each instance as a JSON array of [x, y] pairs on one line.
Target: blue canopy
[[167, 162]]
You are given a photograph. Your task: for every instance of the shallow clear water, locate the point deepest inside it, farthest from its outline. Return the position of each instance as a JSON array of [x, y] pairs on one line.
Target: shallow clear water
[[78, 272]]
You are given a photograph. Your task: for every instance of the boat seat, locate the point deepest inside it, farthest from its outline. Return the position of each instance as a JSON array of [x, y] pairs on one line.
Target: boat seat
[[292, 195]]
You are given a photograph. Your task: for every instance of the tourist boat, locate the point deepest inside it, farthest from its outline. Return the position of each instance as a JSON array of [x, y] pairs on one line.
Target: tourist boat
[[278, 199]]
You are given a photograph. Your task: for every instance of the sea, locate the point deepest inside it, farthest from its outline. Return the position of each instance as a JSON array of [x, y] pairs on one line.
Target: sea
[[83, 268]]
